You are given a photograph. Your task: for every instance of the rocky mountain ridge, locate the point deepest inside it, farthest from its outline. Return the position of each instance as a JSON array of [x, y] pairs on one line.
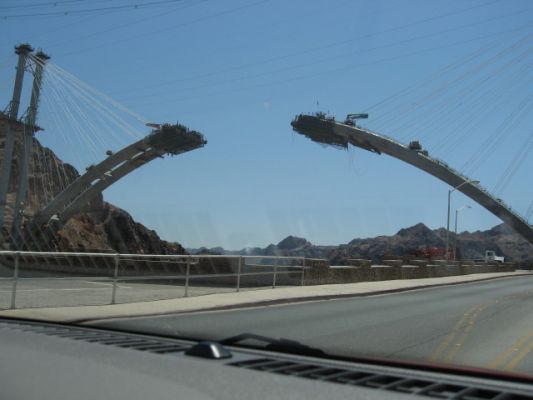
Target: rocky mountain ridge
[[407, 242]]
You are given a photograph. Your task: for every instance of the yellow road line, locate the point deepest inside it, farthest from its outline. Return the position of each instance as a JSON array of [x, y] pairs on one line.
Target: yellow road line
[[509, 351], [519, 357], [464, 327], [467, 329], [455, 330]]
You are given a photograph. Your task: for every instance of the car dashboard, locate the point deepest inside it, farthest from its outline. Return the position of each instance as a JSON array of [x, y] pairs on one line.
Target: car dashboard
[[55, 361]]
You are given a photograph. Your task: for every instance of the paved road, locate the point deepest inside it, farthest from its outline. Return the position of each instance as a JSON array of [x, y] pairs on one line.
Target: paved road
[[37, 289], [488, 324], [57, 292]]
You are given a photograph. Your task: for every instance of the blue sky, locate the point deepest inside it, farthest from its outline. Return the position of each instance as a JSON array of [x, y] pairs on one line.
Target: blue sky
[[239, 71]]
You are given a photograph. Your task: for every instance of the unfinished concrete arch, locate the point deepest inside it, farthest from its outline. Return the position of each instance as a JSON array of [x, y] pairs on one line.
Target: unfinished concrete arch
[[325, 130], [167, 139]]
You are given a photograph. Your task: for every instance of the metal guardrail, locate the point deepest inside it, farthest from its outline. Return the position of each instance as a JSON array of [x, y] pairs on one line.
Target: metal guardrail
[[188, 260]]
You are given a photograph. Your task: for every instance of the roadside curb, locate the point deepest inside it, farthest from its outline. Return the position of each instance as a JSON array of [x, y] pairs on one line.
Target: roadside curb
[[287, 301], [233, 301]]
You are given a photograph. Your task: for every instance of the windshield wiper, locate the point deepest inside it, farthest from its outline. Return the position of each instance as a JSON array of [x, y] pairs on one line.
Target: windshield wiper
[[278, 345]]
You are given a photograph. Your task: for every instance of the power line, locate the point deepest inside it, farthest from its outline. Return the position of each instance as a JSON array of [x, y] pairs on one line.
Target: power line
[[47, 4], [339, 56], [321, 47], [307, 64], [351, 67], [92, 10], [116, 27], [145, 35]]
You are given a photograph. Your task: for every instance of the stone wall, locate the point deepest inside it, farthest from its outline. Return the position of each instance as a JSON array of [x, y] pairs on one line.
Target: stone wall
[[364, 272]]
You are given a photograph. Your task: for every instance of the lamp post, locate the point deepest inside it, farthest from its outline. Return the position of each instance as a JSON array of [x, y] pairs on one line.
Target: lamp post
[[455, 230], [448, 218]]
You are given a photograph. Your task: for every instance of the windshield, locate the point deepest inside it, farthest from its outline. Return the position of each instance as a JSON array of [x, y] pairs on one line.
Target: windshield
[[351, 175]]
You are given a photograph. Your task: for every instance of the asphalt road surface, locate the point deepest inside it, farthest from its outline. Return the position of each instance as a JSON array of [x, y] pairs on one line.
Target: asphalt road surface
[[485, 324], [58, 292]]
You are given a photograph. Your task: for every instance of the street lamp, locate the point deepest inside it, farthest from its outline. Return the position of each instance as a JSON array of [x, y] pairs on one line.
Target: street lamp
[[455, 230], [448, 218]]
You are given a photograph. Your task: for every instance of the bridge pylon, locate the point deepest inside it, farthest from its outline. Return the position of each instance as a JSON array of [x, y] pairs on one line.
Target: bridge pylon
[[10, 126]]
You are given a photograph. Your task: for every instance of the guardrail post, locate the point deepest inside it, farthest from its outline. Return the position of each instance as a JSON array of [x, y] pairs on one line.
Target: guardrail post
[[15, 280], [115, 276], [303, 272], [239, 267], [187, 272], [275, 273]]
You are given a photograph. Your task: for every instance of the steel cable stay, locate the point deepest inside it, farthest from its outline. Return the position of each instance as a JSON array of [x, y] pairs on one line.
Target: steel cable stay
[[97, 93], [464, 99], [466, 111], [88, 129], [484, 110], [39, 163], [98, 101], [66, 120], [83, 108], [381, 105], [495, 138], [450, 116], [515, 164], [472, 111], [88, 121], [61, 174], [72, 118], [410, 105], [491, 142], [453, 81], [494, 145], [473, 69], [44, 101]]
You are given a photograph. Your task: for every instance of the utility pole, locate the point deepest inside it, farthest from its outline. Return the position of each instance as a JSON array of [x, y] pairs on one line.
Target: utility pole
[[23, 51], [455, 230], [448, 217], [40, 60]]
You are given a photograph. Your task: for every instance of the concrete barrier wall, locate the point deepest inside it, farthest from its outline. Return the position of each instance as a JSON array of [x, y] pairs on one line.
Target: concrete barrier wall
[[349, 274]]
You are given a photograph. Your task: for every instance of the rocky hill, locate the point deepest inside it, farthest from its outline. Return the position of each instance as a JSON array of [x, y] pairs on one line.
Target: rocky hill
[[405, 243], [500, 238], [101, 227]]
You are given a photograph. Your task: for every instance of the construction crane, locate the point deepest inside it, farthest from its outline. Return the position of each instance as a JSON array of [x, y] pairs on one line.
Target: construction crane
[[350, 118]]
